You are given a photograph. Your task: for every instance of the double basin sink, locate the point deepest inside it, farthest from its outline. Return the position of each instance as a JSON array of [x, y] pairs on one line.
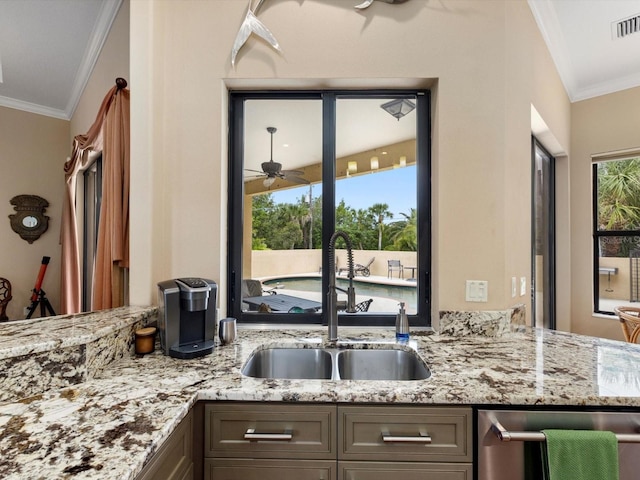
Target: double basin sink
[[391, 362]]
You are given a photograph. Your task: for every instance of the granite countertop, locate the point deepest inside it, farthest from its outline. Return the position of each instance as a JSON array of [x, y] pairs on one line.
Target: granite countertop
[[108, 425]]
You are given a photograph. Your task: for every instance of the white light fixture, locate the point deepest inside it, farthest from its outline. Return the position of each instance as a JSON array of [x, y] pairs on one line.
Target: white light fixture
[[403, 161], [352, 167], [267, 182], [375, 164], [399, 107]]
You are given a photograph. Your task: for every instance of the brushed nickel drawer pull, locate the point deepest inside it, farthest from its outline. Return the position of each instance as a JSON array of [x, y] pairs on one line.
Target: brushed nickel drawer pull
[[251, 434], [423, 438]]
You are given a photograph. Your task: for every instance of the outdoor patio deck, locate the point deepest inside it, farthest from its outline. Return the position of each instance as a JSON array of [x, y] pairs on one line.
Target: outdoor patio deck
[[380, 304]]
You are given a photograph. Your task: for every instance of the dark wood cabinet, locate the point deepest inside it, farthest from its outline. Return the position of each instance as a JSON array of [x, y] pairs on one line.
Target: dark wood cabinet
[[174, 460], [336, 442]]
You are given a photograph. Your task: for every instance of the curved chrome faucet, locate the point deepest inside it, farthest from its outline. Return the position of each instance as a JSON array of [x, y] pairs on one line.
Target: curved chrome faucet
[[332, 299]]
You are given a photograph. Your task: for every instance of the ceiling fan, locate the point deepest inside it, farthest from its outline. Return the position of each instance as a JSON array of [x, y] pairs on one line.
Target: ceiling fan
[[272, 170]]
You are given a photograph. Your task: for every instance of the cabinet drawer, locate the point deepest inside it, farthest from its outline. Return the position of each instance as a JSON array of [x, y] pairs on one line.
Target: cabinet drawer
[[240, 469], [406, 471], [405, 433], [270, 430]]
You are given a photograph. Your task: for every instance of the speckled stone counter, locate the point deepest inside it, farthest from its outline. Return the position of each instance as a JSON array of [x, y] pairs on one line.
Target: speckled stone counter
[[109, 426], [39, 354]]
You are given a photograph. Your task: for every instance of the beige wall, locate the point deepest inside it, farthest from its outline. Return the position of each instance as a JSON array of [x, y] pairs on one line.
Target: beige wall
[[602, 124], [267, 263], [32, 150], [489, 63]]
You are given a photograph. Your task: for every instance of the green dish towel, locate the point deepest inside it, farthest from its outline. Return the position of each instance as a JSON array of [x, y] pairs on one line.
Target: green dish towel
[[580, 455]]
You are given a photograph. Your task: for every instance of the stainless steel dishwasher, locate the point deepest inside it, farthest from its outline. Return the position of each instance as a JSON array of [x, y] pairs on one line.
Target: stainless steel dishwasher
[[507, 440]]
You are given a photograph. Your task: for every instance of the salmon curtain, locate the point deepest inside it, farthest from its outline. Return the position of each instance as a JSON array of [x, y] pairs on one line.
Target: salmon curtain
[[110, 135]]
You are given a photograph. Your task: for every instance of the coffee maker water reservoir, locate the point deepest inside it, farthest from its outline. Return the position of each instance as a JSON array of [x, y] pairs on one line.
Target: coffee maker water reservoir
[[187, 317]]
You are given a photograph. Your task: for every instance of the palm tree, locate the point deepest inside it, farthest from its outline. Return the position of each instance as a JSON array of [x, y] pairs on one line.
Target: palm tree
[[381, 212], [404, 233], [618, 203], [619, 195]]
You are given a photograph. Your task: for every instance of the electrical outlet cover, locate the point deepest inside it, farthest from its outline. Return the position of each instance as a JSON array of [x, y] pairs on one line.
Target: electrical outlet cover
[[477, 291]]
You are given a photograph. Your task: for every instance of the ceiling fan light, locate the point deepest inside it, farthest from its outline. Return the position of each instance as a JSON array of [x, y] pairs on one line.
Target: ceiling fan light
[[267, 182], [399, 107]]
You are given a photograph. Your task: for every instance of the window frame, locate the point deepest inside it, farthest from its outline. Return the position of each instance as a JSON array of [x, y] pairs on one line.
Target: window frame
[[597, 234], [92, 182], [549, 267], [236, 202]]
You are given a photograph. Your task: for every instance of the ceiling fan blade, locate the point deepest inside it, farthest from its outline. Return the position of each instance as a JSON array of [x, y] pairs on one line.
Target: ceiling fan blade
[[292, 172], [294, 179]]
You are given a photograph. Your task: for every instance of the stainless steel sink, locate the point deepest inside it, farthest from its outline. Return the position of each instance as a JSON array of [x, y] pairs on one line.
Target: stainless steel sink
[[377, 363], [381, 365], [289, 363]]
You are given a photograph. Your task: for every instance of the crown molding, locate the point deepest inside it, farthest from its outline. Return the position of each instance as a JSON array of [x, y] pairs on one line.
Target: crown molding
[[605, 88], [100, 33], [33, 108], [551, 30]]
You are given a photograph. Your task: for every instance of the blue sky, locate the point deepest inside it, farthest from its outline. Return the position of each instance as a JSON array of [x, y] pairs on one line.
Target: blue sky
[[396, 188]]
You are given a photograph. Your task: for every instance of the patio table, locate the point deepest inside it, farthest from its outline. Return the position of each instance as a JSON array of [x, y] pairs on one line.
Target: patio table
[[281, 302]]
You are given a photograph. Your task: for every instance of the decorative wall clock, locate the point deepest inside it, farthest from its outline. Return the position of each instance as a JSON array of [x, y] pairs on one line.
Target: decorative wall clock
[[30, 221]]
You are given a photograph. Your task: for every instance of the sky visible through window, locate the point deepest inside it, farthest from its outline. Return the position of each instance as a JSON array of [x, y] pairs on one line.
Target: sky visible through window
[[396, 188]]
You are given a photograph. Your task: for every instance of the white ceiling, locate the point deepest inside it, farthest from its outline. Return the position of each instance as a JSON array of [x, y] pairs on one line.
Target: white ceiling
[[361, 125], [591, 61], [48, 48]]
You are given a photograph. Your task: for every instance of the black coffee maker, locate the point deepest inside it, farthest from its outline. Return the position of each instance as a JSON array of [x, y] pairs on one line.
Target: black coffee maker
[[187, 318]]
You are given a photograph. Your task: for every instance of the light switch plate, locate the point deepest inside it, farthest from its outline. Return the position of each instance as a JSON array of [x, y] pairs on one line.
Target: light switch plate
[[523, 286], [514, 291], [477, 291]]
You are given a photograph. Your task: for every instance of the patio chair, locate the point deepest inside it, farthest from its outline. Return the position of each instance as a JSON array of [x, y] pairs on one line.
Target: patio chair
[[363, 269], [254, 288], [394, 266], [362, 306], [630, 322], [359, 269]]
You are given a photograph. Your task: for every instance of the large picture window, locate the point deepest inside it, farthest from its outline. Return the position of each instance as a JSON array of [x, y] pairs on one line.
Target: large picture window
[[616, 237], [304, 165]]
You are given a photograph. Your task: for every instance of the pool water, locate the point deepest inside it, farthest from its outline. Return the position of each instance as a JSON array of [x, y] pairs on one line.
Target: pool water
[[407, 294]]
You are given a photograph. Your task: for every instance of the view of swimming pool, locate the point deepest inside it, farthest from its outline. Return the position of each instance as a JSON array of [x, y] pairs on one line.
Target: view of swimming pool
[[406, 294]]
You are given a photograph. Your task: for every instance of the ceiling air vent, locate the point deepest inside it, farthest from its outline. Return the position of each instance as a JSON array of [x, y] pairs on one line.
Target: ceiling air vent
[[625, 27]]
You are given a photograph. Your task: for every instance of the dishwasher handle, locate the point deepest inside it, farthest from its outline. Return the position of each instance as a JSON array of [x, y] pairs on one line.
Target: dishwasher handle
[[508, 436]]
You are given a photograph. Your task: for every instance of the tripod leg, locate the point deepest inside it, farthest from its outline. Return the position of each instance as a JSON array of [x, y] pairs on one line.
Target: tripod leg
[[32, 308], [48, 306]]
